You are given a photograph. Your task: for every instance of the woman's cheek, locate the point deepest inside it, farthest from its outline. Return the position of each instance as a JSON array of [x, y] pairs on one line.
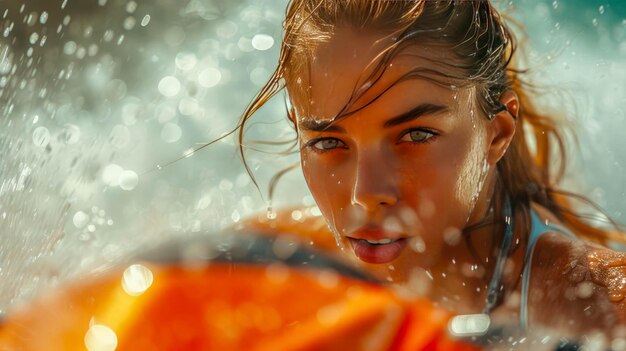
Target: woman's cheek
[[310, 170], [321, 178], [440, 177], [328, 190], [472, 170]]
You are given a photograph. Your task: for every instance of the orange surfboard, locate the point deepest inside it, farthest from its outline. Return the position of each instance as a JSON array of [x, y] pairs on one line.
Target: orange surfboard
[[242, 295]]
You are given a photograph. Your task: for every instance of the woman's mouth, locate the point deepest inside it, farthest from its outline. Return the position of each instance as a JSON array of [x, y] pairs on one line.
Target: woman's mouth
[[377, 251]]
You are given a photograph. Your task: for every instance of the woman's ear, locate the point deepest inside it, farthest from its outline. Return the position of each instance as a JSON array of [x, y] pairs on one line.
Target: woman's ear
[[503, 127]]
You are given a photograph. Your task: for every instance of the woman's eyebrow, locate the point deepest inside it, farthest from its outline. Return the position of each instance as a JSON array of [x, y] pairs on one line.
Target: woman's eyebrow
[[311, 124], [414, 113], [314, 125]]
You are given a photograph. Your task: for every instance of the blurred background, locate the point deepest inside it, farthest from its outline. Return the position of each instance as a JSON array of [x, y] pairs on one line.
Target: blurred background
[[98, 97]]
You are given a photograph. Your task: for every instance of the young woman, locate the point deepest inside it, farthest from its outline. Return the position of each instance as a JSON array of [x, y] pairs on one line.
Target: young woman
[[431, 166]]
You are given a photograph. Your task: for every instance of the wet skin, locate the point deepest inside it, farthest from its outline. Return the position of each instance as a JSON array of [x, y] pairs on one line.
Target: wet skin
[[576, 288], [418, 181], [416, 166]]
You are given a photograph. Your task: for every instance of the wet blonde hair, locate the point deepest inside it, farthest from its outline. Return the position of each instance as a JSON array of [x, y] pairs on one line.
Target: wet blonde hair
[[481, 48]]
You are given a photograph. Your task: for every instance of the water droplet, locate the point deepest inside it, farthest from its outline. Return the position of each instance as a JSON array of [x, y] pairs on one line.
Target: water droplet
[[100, 338], [584, 290], [81, 52], [70, 134], [108, 35], [235, 216], [111, 174], [555, 4], [69, 48], [88, 32], [41, 136], [93, 50], [31, 19], [271, 214], [128, 180], [137, 279], [315, 211], [188, 106], [43, 18], [245, 44], [145, 20], [185, 61], [452, 236], [601, 9], [616, 296], [204, 202], [129, 23], [226, 185], [418, 244], [169, 86], [429, 274], [171, 133], [226, 29], [296, 215], [131, 6], [34, 37], [114, 90], [210, 77], [262, 42], [80, 219], [165, 113]]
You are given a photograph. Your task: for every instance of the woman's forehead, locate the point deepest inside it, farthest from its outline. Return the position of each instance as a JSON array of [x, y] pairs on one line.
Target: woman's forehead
[[343, 64]]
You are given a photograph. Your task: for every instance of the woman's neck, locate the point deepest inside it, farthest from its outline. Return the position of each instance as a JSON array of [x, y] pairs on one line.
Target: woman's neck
[[460, 277]]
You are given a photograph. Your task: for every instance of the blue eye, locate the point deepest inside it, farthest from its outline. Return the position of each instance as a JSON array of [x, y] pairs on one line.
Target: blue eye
[[327, 144], [417, 136]]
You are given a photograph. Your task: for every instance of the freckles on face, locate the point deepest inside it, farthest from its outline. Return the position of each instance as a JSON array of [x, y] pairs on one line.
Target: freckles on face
[[407, 165]]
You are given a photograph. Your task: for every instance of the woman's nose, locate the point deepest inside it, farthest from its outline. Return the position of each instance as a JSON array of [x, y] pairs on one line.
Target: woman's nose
[[375, 184]]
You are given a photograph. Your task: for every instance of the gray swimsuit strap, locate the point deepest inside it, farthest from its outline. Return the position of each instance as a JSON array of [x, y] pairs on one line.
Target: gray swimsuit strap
[[537, 229], [495, 285]]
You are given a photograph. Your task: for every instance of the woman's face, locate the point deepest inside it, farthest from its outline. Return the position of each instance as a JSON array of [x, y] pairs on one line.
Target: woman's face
[[400, 178]]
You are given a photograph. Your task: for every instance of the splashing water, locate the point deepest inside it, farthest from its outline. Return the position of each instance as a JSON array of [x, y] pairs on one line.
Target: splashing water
[[93, 111]]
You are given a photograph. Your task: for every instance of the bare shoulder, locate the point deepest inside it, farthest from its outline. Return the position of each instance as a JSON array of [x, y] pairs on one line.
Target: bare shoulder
[[577, 285], [304, 224]]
